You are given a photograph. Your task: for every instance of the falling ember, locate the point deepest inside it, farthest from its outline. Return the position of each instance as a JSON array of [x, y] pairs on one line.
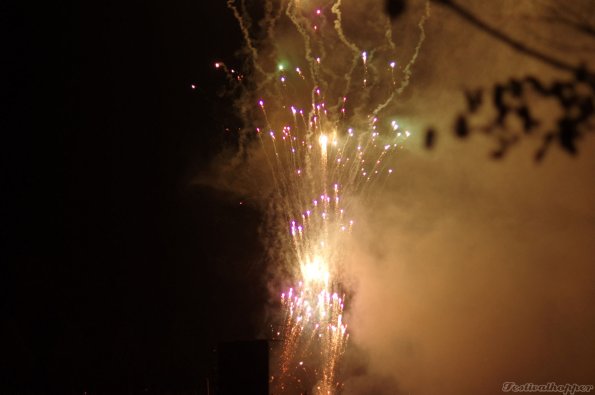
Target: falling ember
[[328, 147]]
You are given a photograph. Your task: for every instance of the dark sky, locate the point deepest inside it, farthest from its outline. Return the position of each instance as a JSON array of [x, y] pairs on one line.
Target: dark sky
[[117, 272]]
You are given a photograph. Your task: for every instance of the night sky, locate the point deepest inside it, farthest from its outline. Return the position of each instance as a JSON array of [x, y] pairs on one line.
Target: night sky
[[117, 273]]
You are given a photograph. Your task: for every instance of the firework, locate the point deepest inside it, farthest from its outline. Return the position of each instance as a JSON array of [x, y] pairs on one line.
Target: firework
[[318, 104]]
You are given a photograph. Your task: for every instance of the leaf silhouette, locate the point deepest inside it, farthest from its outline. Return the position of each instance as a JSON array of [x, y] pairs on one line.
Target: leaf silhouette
[[568, 135], [461, 127], [394, 8], [474, 99], [430, 139]]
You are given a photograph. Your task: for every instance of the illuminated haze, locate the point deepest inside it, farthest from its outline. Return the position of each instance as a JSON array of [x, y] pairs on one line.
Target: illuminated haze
[[465, 272]]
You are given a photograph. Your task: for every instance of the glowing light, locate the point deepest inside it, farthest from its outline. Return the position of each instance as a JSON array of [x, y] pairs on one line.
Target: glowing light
[[323, 140], [315, 272]]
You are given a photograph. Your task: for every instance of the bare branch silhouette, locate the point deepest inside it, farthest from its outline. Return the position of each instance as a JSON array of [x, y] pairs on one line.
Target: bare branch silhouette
[[512, 42]]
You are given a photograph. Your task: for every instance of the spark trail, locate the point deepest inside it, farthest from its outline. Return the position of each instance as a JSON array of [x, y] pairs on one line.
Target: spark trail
[[328, 141]]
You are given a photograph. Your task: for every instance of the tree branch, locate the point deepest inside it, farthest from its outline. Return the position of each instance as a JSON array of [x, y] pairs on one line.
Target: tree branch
[[513, 43]]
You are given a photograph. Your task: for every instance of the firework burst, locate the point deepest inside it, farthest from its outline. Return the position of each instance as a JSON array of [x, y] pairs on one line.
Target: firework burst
[[318, 104]]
